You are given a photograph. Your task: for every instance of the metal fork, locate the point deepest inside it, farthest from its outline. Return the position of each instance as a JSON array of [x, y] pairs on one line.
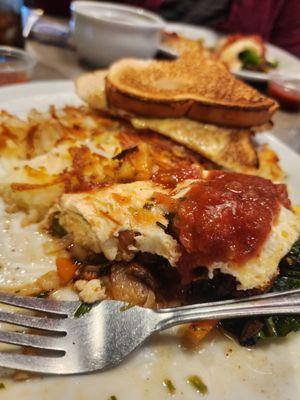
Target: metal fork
[[110, 330]]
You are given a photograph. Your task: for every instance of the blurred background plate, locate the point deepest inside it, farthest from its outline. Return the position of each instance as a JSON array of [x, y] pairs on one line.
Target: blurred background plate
[[288, 64]]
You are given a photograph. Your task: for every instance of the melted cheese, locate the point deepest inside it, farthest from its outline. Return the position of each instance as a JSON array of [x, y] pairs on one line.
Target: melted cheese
[[97, 219], [229, 148]]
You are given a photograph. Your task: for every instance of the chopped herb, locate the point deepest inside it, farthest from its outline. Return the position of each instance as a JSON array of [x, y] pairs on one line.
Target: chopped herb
[[126, 307], [182, 198], [56, 228], [82, 309], [197, 383], [148, 206], [2, 386], [170, 216], [113, 397], [162, 226], [170, 229], [168, 384], [124, 153]]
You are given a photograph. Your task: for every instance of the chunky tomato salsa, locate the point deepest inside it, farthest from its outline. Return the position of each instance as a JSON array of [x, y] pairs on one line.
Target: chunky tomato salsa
[[227, 217]]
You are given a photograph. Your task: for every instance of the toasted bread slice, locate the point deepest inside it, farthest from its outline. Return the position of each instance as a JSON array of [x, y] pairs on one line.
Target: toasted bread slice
[[198, 88], [227, 147], [90, 87]]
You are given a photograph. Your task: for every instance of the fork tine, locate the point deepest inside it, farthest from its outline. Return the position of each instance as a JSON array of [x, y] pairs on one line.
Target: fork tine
[[33, 303], [30, 340], [45, 323], [46, 365]]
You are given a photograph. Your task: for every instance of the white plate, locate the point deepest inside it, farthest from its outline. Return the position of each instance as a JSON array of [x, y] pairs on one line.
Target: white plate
[[231, 372], [288, 64]]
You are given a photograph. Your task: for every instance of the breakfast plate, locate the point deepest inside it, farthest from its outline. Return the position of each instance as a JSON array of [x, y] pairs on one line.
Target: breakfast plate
[[289, 65], [229, 371]]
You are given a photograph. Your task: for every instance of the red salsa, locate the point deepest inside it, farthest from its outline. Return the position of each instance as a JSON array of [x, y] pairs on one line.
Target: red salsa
[[227, 218], [170, 177]]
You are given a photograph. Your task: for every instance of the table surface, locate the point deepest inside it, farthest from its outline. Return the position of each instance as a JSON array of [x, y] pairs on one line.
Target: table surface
[[61, 63]]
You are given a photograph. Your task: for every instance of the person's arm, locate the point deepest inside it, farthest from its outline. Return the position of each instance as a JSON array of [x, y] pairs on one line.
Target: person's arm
[[200, 12]]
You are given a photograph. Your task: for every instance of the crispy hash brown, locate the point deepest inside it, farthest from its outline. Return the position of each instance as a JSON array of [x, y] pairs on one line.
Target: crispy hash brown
[[77, 149]]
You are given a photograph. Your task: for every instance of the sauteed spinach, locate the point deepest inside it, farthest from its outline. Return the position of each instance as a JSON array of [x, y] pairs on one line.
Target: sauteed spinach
[[250, 330]]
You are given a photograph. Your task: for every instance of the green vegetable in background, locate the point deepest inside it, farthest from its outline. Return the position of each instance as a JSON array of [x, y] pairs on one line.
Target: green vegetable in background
[[250, 58]]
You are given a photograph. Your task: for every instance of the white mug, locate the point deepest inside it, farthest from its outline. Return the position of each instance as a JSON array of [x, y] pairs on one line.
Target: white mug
[[105, 32]]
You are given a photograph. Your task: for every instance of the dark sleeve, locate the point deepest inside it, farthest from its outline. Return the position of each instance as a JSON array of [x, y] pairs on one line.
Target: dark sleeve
[[196, 12], [286, 29]]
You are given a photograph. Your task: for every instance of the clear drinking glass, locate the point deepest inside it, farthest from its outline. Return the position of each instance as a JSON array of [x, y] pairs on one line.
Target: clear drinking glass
[[11, 23]]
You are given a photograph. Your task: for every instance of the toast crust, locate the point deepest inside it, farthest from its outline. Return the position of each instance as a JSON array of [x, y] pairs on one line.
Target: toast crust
[[230, 115]]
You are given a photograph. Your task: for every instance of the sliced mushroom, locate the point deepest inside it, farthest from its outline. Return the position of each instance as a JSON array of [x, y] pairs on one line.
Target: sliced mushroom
[[126, 245], [128, 283]]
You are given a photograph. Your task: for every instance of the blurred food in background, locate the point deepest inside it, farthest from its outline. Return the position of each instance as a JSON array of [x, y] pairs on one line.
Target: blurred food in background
[[11, 23], [276, 21], [245, 52]]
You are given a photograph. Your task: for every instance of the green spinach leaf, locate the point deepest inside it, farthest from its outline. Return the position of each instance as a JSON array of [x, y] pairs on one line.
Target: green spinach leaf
[[250, 330]]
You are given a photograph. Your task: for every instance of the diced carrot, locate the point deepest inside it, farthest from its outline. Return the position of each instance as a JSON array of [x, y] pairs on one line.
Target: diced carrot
[[66, 269], [194, 333]]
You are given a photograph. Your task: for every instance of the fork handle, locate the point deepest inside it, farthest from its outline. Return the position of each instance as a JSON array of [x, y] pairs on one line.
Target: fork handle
[[277, 303]]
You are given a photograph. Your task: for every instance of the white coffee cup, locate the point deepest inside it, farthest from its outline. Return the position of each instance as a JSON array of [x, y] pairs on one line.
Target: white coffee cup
[[106, 32]]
